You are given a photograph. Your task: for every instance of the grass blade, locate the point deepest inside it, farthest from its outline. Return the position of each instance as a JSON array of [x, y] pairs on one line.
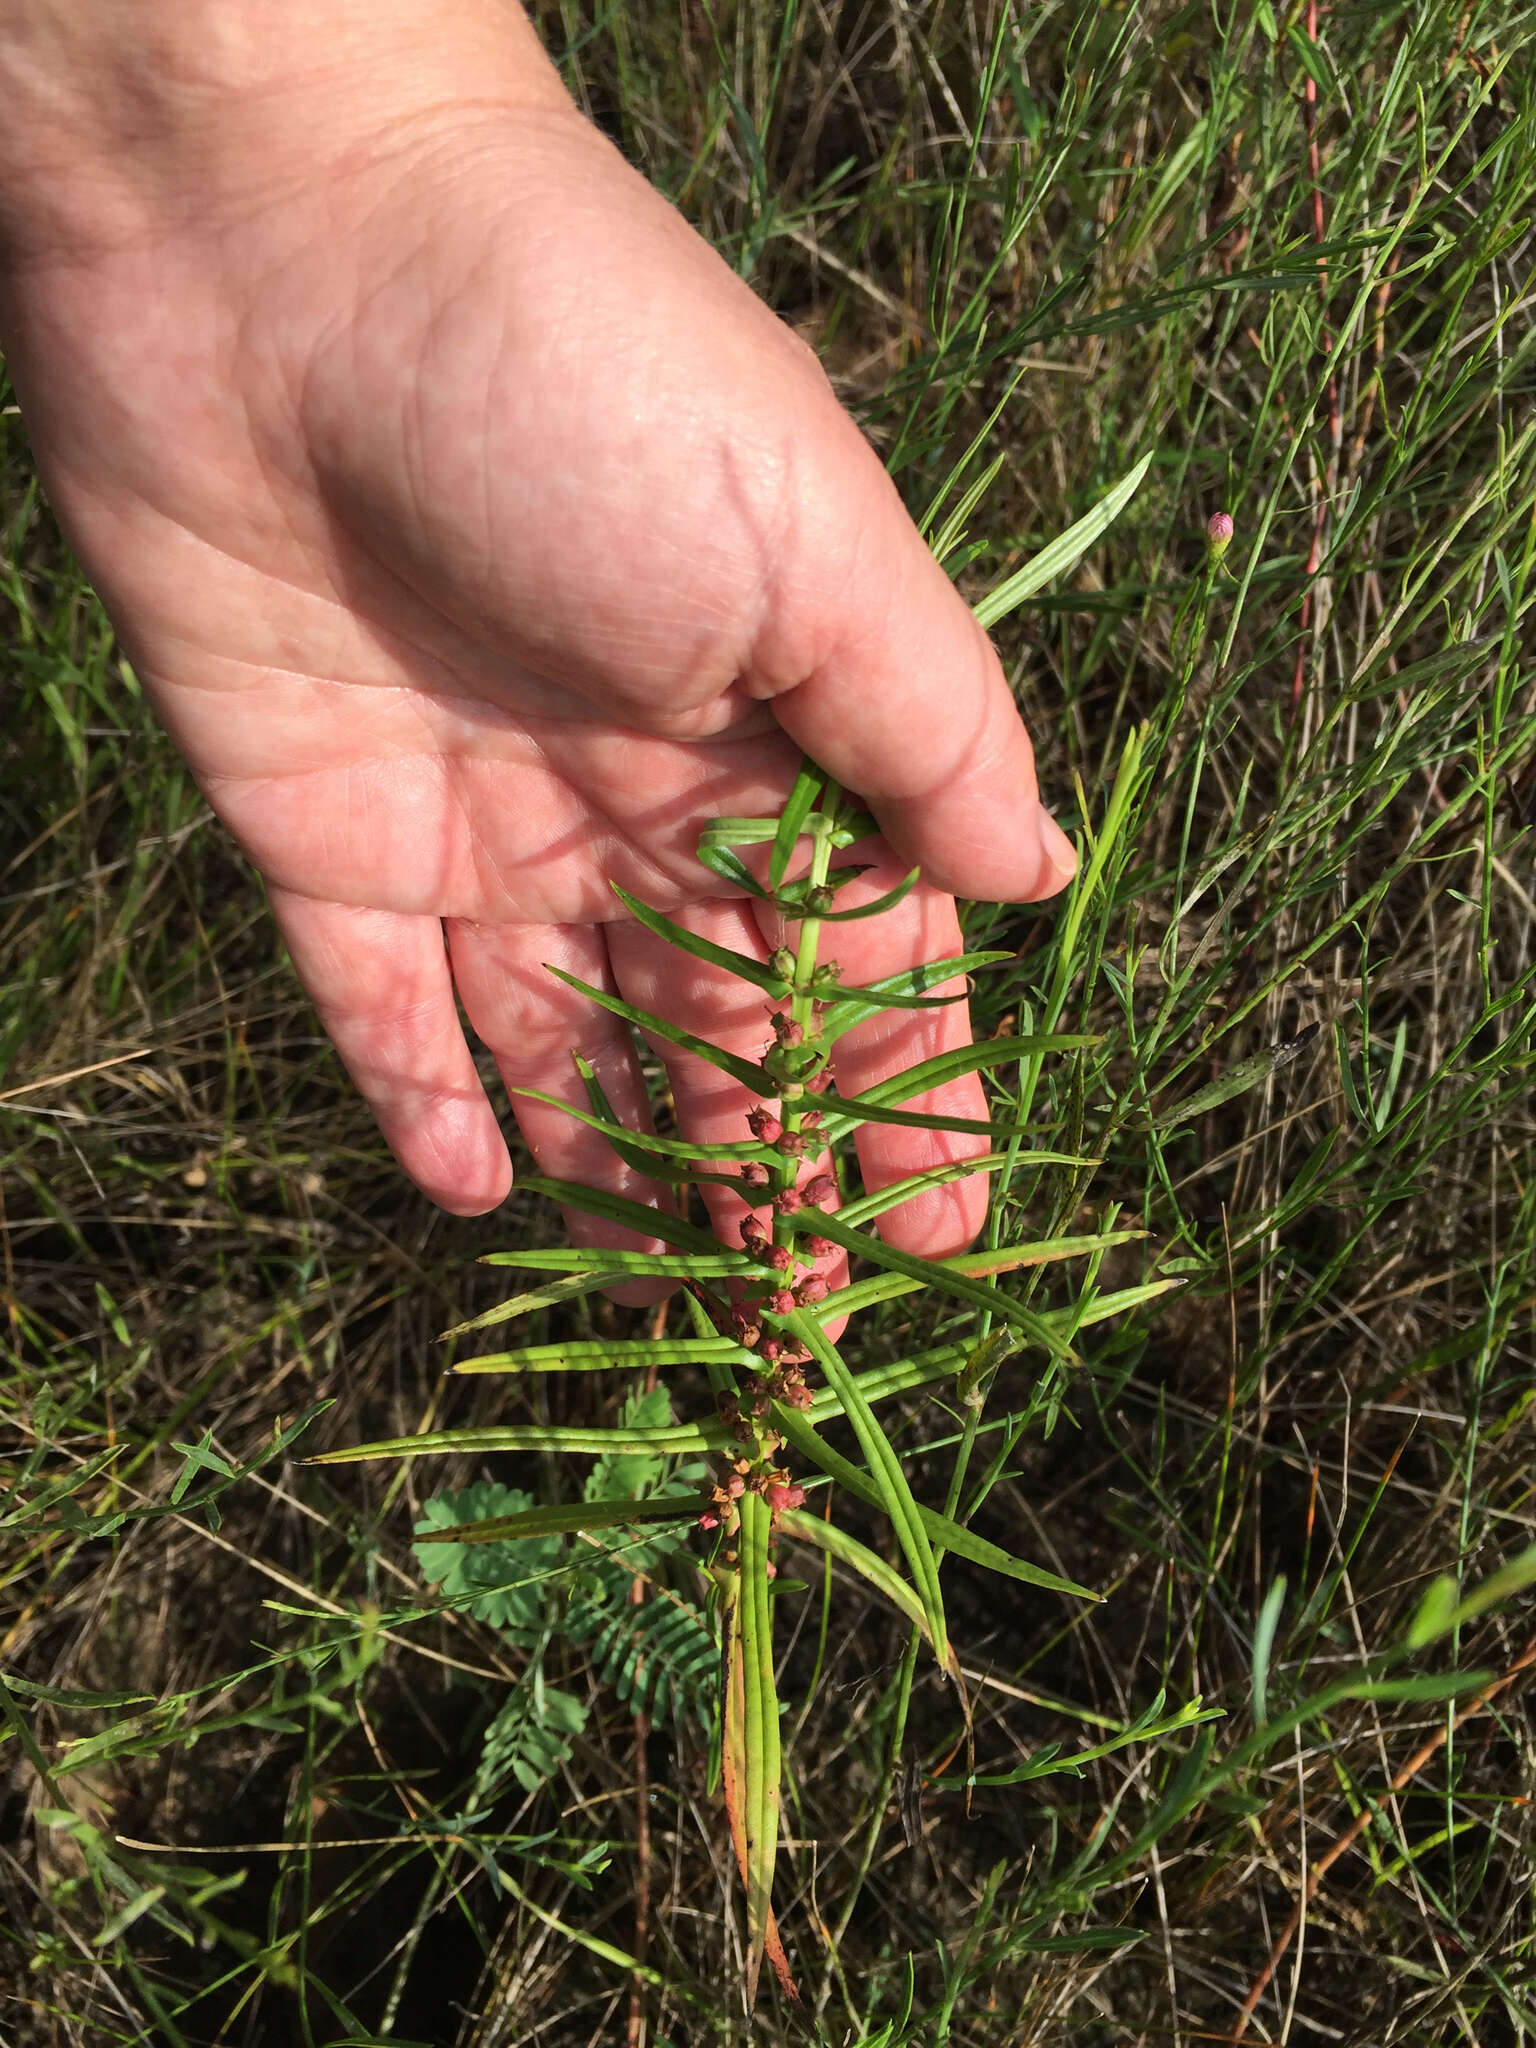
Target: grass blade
[[1062, 552]]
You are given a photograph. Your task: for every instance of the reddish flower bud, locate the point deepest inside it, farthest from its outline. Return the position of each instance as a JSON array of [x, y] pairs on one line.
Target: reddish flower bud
[[819, 1247], [1218, 533], [820, 1191], [797, 1396], [812, 1120], [780, 1496], [755, 1175], [735, 1486], [787, 1201], [772, 1350], [814, 1287], [781, 1258], [792, 1144], [786, 1030], [763, 1125], [709, 1519], [782, 1302]]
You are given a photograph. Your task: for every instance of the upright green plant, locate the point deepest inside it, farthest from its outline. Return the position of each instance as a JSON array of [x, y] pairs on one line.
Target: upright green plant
[[760, 1314]]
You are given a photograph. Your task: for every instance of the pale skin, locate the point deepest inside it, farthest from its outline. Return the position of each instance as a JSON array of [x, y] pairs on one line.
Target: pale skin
[[478, 535]]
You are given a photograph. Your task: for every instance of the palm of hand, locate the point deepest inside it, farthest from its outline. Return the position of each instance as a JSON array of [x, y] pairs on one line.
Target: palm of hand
[[464, 539]]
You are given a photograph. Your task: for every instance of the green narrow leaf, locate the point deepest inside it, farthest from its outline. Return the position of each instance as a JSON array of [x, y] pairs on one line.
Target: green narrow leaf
[[531, 1436], [1263, 1648], [951, 1536], [848, 1550], [845, 1112], [567, 1519], [798, 806], [1061, 554], [644, 1141], [761, 1724], [619, 1209], [747, 1072], [599, 1355], [899, 1191], [617, 1264], [1237, 1080], [742, 965], [879, 1287], [892, 1491], [540, 1297], [943, 1279], [969, 1059], [722, 862], [901, 990], [738, 831], [886, 902]]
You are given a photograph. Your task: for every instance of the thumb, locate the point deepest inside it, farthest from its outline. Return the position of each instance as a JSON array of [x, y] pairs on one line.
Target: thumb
[[877, 669]]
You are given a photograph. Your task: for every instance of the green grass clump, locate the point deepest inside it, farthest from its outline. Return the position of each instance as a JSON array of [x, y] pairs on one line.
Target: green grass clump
[[244, 1735]]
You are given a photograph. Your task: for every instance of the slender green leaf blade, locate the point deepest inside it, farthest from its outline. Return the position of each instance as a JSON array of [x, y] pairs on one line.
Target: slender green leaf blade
[[837, 1543], [742, 965], [617, 1264], [558, 1291], [798, 806], [950, 1535], [747, 1072], [890, 1481], [645, 1141], [1063, 552], [600, 1355], [567, 1519], [936, 1274], [619, 1209]]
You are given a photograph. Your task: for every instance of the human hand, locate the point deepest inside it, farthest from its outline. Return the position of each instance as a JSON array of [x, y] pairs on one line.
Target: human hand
[[479, 536]]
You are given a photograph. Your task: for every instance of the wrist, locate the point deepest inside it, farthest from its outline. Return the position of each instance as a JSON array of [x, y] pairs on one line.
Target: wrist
[[123, 114]]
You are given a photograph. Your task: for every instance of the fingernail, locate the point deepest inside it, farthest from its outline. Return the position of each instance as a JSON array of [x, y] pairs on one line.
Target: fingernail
[[1057, 852]]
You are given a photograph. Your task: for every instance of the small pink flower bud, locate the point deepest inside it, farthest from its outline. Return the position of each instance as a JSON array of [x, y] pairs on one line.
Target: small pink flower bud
[[709, 1519], [820, 1191], [754, 1174], [792, 1144], [819, 1247], [763, 1125], [781, 1303], [814, 1287], [780, 1497], [752, 1233], [786, 1030], [797, 1396], [781, 1258], [812, 1120], [735, 1486], [787, 1201], [1218, 533]]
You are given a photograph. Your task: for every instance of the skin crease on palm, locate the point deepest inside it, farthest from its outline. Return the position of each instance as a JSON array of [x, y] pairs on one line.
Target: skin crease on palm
[[479, 535]]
